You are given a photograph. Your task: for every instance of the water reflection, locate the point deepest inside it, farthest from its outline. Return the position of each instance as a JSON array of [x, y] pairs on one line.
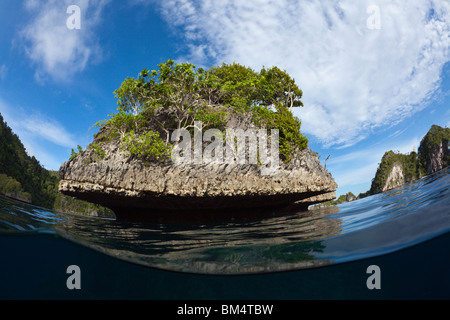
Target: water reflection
[[276, 243], [18, 217], [280, 240]]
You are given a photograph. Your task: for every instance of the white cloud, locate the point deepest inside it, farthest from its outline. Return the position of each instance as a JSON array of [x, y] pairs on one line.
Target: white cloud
[[55, 49], [47, 160], [47, 129], [36, 126], [354, 79]]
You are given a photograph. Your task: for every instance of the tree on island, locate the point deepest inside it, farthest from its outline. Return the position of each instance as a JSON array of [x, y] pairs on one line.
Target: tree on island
[[175, 96]]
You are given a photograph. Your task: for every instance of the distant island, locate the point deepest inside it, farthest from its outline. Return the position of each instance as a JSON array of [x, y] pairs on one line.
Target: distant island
[[396, 168]]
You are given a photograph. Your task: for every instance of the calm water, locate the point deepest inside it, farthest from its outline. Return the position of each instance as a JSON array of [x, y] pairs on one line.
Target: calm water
[[321, 253]]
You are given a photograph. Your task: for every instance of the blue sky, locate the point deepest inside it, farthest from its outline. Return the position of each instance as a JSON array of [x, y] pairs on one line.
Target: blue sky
[[375, 74]]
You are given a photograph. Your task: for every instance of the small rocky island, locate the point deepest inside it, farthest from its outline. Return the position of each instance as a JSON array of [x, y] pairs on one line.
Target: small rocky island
[[188, 140], [396, 168]]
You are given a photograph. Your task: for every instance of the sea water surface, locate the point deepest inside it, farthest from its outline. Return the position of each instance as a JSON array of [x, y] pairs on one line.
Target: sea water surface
[[288, 246]]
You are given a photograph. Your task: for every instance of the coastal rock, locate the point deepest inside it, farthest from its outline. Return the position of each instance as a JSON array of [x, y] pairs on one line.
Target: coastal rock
[[437, 159], [396, 169], [130, 186], [395, 177], [349, 197]]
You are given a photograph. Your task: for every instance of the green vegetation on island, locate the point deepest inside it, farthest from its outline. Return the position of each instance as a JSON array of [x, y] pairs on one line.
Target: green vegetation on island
[[342, 199], [433, 154], [177, 95], [433, 148], [12, 188], [23, 178], [408, 163], [436, 138], [17, 164]]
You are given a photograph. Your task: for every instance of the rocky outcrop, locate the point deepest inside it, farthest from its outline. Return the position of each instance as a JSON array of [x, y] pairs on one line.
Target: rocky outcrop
[[349, 197], [130, 186], [437, 159], [433, 150], [396, 169], [395, 177]]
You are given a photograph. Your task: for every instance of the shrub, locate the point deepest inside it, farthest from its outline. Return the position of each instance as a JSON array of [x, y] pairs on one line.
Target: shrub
[[148, 146]]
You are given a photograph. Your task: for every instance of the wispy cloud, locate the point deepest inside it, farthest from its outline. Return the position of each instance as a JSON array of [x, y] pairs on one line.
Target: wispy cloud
[[54, 49], [48, 129], [355, 79], [36, 125], [373, 154]]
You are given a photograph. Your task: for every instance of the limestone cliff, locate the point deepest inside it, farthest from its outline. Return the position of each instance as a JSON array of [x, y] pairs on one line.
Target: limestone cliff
[[396, 169], [433, 151], [438, 157], [395, 177]]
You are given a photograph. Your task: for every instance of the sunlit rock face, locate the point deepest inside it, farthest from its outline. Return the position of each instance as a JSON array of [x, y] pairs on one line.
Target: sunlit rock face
[[129, 185], [395, 178], [438, 157]]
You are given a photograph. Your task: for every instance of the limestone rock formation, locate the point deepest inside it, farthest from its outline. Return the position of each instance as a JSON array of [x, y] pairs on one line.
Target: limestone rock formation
[[434, 154], [395, 177], [438, 156], [396, 169], [130, 186]]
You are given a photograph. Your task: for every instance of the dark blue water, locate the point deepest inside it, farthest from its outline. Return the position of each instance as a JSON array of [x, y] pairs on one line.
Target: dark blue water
[[318, 254]]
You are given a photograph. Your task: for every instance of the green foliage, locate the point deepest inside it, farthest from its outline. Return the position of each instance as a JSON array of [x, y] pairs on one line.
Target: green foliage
[[73, 154], [290, 136], [129, 96], [180, 87], [17, 164], [120, 123], [100, 154], [23, 176], [237, 85], [414, 165], [212, 118], [241, 87], [176, 95], [342, 199], [12, 188], [363, 194], [288, 126], [147, 145]]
